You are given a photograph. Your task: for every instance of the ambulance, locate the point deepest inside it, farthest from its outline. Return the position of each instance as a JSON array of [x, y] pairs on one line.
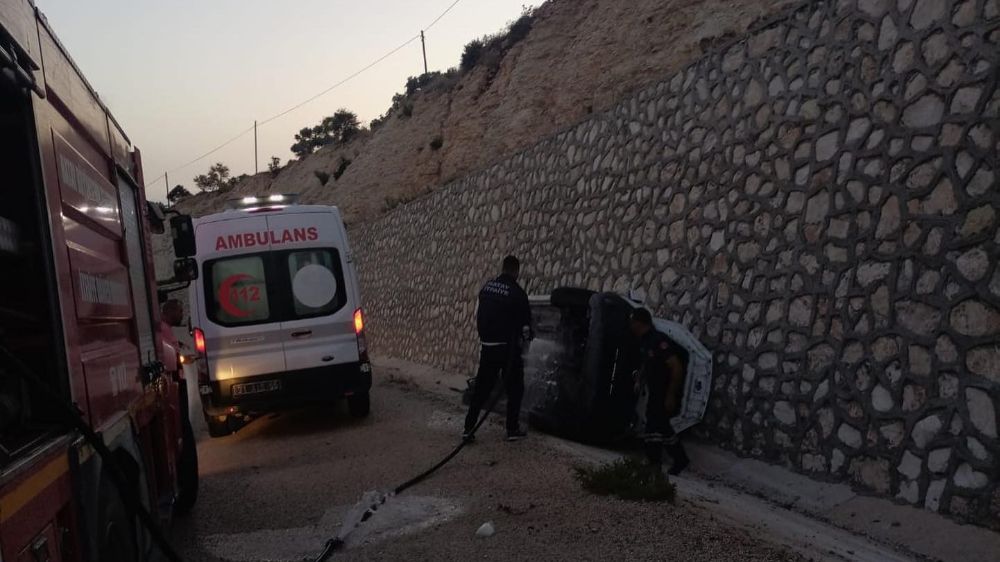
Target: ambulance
[[275, 311]]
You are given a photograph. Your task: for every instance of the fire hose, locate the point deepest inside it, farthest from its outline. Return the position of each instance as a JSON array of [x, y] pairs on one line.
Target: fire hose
[[118, 478], [337, 542]]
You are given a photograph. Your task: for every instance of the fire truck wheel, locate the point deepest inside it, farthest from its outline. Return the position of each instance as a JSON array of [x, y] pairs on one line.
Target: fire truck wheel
[[116, 540], [359, 405], [187, 472], [218, 426]]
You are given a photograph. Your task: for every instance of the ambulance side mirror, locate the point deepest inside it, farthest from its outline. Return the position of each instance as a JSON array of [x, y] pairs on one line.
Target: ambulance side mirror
[[182, 231], [185, 270]]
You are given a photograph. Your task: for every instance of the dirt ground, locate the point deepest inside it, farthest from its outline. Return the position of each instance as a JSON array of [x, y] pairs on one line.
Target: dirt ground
[[275, 489]]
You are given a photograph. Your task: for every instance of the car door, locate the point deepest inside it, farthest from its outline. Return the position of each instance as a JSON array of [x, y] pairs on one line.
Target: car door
[[318, 328]]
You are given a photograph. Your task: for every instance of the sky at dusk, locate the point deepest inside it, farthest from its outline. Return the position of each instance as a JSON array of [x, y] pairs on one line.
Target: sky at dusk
[[184, 76]]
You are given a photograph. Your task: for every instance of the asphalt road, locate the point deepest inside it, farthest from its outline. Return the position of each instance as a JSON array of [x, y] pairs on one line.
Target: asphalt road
[[277, 488]]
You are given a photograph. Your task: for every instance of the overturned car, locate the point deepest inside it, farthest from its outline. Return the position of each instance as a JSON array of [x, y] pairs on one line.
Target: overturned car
[[579, 370]]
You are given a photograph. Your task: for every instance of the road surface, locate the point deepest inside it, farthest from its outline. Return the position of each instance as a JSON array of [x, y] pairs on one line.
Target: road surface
[[276, 489]]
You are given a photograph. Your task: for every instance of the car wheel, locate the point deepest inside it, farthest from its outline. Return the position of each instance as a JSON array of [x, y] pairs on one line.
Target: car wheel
[[218, 426], [187, 471], [359, 405]]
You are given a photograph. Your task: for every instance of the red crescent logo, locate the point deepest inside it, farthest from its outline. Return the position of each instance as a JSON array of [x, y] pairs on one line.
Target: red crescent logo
[[226, 294]]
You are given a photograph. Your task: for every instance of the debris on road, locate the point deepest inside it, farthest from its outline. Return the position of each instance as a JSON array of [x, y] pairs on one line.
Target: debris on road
[[486, 530]]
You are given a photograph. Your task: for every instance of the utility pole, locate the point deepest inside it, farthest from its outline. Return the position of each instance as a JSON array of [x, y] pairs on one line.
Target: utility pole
[[166, 182], [423, 47], [255, 146]]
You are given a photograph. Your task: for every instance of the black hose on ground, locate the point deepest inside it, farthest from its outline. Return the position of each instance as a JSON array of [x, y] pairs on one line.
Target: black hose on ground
[[74, 419], [336, 543]]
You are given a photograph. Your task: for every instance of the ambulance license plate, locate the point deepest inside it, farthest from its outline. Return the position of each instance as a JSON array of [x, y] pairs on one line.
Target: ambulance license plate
[[255, 387]]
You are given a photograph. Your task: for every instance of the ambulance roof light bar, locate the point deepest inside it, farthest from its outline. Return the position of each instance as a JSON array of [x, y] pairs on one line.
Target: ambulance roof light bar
[[256, 202]]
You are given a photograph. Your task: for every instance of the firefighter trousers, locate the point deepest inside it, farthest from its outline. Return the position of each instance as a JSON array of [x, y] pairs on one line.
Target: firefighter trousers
[[496, 361]]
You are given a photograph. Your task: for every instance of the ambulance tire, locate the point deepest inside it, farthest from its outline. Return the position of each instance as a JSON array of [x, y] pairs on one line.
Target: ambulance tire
[[217, 427], [359, 405], [116, 529], [187, 471]]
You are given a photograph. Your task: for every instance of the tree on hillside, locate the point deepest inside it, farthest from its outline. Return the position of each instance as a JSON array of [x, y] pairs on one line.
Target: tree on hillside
[[177, 193], [274, 166], [338, 128], [217, 178]]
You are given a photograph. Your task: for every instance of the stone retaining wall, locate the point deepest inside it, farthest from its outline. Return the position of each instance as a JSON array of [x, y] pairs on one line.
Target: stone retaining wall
[[817, 201]]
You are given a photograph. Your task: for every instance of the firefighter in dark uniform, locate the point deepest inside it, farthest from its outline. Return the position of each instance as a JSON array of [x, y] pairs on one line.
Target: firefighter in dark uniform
[[662, 368], [504, 322]]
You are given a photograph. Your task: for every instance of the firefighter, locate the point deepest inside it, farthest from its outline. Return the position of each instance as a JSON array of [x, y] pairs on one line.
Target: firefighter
[[504, 321], [662, 368]]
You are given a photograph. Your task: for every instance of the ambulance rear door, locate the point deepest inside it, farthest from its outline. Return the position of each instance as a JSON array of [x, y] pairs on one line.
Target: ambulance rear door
[[318, 328], [239, 298]]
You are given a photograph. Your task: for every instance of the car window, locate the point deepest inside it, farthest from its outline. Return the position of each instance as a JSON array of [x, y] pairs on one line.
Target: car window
[[317, 282], [238, 291]]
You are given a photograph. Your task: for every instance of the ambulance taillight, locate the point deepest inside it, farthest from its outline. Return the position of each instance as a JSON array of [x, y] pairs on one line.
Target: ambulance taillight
[[359, 330], [199, 340]]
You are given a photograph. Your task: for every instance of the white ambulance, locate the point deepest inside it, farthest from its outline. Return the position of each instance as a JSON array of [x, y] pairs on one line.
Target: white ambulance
[[276, 312]]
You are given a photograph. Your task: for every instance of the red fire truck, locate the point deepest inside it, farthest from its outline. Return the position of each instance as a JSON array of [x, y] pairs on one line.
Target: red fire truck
[[96, 453]]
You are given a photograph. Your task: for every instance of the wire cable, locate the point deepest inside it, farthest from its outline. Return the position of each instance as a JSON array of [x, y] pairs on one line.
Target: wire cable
[[443, 14], [307, 100]]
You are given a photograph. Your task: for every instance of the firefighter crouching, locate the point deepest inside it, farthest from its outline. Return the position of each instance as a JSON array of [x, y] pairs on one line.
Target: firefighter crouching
[[662, 369]]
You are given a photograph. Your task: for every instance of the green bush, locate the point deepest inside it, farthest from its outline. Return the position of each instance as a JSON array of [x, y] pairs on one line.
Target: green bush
[[339, 128], [491, 48], [628, 478], [471, 54], [417, 83], [341, 167], [519, 28]]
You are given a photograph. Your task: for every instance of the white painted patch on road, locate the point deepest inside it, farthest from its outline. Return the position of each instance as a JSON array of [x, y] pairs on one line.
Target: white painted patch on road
[[399, 516]]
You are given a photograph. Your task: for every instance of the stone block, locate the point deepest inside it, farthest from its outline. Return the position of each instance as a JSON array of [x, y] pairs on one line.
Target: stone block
[[937, 460], [982, 412], [975, 318], [927, 13], [926, 430], [849, 436], [985, 361], [882, 399], [926, 111], [910, 465], [967, 477], [784, 412], [872, 473], [932, 500], [917, 317]]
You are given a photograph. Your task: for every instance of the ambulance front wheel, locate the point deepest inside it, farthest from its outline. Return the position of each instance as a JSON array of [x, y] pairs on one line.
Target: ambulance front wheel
[[218, 426], [359, 405]]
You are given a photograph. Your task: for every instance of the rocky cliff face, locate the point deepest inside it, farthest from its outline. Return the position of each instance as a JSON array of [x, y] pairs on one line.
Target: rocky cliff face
[[816, 201], [580, 57]]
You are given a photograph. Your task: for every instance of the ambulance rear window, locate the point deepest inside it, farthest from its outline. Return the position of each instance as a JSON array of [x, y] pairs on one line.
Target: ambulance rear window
[[317, 282], [238, 291]]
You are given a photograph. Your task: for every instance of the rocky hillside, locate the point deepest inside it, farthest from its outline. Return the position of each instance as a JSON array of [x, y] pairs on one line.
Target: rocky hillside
[[580, 56]]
